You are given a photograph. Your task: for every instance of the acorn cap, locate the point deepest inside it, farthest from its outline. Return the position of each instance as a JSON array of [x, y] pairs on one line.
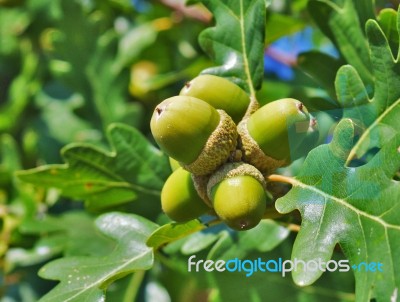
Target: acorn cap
[[218, 148], [181, 126], [200, 183], [237, 192], [252, 153], [270, 134], [219, 93], [230, 170], [179, 198]]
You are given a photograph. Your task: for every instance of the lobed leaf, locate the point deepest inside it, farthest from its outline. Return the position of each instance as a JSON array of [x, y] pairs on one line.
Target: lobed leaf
[[324, 74], [343, 23], [203, 239], [173, 231], [379, 114], [86, 278], [236, 43], [134, 168], [355, 207], [387, 19], [59, 235]]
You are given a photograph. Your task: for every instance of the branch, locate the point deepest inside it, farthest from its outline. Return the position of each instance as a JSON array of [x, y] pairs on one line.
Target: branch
[[281, 178]]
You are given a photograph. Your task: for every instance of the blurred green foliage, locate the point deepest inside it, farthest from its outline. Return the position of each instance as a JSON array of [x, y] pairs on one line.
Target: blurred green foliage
[[87, 74], [68, 70]]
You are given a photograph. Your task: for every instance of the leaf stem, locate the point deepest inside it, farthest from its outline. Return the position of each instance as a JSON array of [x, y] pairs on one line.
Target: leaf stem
[[213, 222], [281, 178], [291, 226], [195, 12], [253, 107], [244, 51]]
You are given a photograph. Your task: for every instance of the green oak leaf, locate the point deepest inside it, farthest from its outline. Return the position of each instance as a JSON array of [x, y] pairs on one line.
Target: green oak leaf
[[133, 169], [324, 74], [203, 239], [379, 114], [173, 231], [59, 234], [387, 19], [355, 207], [236, 43], [57, 112], [87, 278], [343, 24]]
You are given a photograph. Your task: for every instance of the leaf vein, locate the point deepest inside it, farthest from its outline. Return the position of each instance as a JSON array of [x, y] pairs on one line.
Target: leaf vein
[[107, 276], [347, 205]]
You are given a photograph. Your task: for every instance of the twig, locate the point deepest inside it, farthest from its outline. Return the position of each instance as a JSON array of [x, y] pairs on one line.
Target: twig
[[194, 11], [281, 178]]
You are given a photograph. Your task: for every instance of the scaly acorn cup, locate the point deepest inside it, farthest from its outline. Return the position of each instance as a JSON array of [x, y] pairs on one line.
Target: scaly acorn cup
[[268, 135], [179, 198], [194, 133], [219, 93], [200, 183], [237, 192]]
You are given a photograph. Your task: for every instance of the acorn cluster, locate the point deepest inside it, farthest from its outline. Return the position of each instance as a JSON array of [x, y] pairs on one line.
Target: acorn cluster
[[224, 151]]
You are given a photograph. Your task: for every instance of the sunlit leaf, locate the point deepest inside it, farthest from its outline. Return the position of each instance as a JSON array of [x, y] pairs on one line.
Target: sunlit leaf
[[236, 43], [86, 278], [355, 207], [379, 114]]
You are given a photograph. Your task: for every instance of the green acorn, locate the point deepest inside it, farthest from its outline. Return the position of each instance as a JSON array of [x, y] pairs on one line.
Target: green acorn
[[219, 93], [179, 198], [237, 193], [269, 134], [194, 133]]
